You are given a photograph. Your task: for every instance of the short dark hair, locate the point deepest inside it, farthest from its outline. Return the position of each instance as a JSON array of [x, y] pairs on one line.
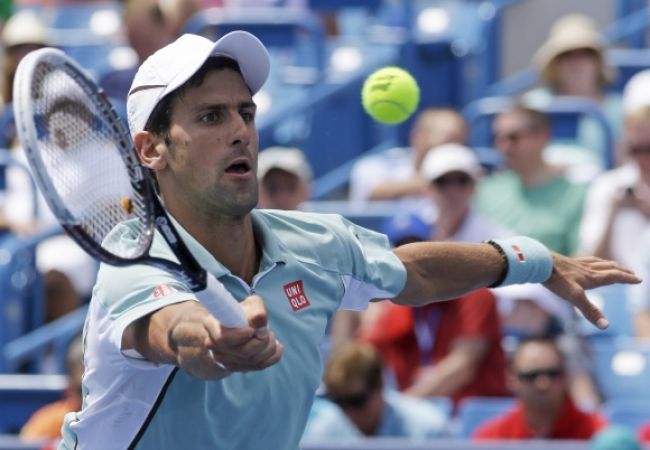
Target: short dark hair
[[160, 118], [536, 120], [353, 362]]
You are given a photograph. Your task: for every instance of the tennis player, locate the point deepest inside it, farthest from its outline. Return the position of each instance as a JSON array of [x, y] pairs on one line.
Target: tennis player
[[161, 373]]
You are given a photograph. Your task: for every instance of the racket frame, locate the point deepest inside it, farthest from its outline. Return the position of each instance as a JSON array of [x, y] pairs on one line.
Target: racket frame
[[188, 271]]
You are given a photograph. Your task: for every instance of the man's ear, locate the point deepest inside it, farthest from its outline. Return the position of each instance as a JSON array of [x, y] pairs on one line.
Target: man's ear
[[149, 149]]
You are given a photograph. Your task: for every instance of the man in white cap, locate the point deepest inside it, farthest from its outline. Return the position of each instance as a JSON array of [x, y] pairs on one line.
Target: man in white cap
[[161, 371], [285, 178]]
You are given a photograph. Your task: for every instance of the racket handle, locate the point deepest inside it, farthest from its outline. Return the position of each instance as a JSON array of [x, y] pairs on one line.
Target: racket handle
[[221, 304]]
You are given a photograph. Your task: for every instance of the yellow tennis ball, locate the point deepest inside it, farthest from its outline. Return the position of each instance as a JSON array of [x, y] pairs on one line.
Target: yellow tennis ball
[[390, 95]]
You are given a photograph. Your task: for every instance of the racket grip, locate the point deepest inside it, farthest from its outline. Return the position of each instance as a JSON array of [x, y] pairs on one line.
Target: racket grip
[[221, 304]]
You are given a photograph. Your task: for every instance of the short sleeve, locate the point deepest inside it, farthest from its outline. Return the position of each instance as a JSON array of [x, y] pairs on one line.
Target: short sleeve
[[376, 272]]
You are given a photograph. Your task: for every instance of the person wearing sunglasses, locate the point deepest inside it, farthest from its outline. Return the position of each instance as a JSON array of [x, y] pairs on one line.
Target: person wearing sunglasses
[[395, 174], [543, 408], [357, 404], [617, 208], [531, 195]]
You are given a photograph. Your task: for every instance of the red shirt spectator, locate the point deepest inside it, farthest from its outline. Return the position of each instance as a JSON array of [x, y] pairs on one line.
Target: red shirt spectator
[[644, 433], [570, 424], [412, 340]]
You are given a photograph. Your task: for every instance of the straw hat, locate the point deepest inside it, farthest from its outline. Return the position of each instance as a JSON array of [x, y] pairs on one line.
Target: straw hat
[[570, 32], [24, 27]]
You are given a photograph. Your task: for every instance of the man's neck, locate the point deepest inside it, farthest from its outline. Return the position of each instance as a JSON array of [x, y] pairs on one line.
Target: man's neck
[[230, 240]]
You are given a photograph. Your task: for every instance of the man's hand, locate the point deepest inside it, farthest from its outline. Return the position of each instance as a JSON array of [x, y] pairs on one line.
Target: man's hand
[[254, 349], [187, 335], [571, 276]]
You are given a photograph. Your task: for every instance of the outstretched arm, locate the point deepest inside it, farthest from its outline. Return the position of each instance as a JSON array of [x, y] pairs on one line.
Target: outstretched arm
[[444, 270]]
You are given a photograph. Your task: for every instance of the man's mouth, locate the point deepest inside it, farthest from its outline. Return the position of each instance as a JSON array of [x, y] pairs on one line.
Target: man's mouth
[[239, 167]]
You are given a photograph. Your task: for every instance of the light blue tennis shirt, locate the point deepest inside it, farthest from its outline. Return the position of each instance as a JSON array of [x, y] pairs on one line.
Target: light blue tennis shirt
[[312, 265]]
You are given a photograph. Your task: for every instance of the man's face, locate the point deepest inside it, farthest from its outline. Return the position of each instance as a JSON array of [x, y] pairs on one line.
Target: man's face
[[282, 190], [519, 144], [452, 191], [211, 162], [538, 376], [363, 408]]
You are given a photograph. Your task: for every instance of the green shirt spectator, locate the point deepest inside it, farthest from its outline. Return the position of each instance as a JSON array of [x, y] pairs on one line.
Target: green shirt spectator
[[549, 212]]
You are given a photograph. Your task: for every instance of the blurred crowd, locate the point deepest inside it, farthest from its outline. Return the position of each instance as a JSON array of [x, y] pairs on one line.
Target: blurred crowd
[[387, 369]]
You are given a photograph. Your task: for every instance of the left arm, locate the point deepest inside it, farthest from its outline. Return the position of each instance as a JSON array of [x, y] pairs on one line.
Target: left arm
[[444, 270]]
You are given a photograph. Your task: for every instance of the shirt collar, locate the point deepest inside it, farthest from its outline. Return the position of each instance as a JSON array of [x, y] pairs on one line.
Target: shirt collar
[[273, 250]]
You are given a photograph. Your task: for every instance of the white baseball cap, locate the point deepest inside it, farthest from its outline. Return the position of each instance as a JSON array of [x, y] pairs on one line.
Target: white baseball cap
[[290, 160], [450, 157], [636, 93], [172, 65]]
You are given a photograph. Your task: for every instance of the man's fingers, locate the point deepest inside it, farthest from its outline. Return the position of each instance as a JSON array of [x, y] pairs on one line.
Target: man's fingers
[[255, 311], [273, 357], [588, 309], [616, 276], [251, 354]]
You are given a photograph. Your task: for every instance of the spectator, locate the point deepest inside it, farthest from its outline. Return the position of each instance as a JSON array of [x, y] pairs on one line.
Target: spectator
[[530, 310], [544, 409], [23, 32], [448, 349], [620, 225], [395, 174], [66, 279], [532, 197], [451, 172], [571, 62], [617, 206], [147, 28], [353, 382], [46, 422], [285, 178]]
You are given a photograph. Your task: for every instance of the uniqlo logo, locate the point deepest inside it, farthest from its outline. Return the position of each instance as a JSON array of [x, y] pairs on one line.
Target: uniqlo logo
[[163, 290], [296, 295], [520, 254]]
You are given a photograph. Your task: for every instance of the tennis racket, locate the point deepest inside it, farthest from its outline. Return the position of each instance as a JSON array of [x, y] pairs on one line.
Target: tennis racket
[[84, 163]]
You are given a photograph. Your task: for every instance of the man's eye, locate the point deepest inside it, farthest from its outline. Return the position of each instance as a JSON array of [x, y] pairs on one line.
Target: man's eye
[[210, 117], [247, 116]]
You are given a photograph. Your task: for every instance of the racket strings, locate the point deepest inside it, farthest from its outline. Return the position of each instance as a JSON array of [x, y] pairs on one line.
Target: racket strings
[[83, 158]]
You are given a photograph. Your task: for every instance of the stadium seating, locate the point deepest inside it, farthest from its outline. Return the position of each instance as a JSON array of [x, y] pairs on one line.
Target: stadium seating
[[22, 395], [622, 368], [628, 412], [613, 301], [91, 33]]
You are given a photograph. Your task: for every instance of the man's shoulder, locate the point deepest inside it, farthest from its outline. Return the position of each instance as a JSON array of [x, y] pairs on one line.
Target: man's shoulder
[[300, 221]]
